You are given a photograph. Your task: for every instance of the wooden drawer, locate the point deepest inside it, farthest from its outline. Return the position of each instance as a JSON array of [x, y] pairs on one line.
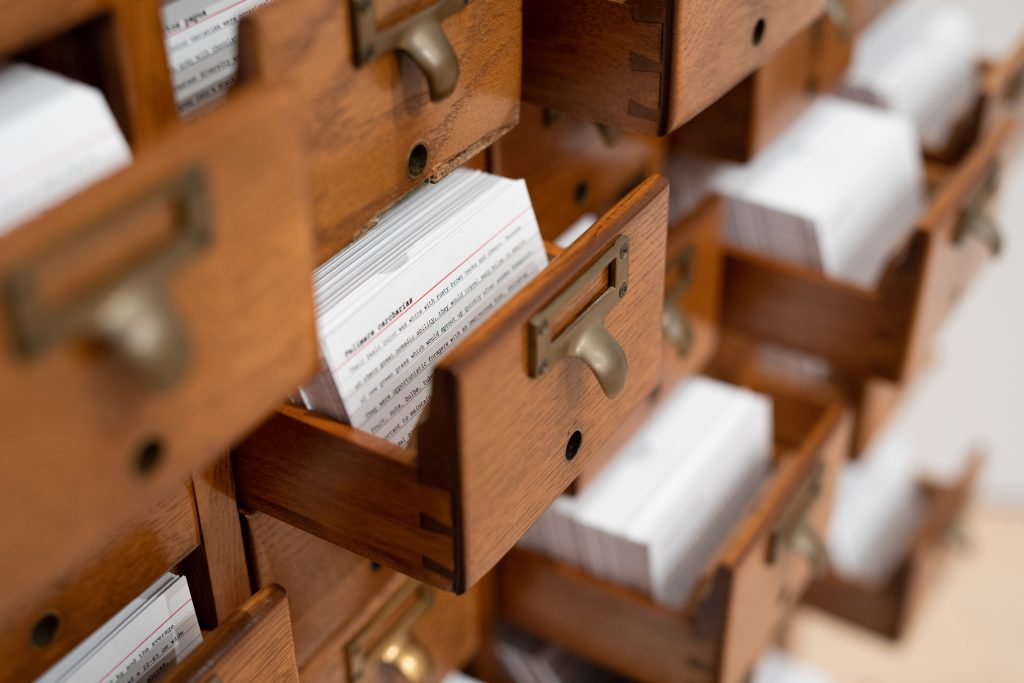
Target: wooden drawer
[[498, 445], [117, 45], [38, 626], [572, 167], [882, 332], [747, 594], [255, 644], [890, 609], [327, 587], [148, 323], [374, 131], [408, 632], [649, 67]]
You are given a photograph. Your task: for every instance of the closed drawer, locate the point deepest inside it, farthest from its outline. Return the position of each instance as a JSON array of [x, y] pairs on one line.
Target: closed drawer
[[149, 322], [883, 332], [890, 609], [573, 167], [255, 644], [327, 587], [499, 444], [748, 592], [408, 632], [375, 123], [649, 67], [116, 45], [40, 624]]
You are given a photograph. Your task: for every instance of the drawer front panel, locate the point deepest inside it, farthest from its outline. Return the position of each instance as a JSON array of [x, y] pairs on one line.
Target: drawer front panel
[[156, 318], [75, 600]]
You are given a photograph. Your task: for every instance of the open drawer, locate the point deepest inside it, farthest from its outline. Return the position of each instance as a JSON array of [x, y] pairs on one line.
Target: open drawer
[[882, 332], [510, 422], [181, 532], [255, 644], [748, 592], [376, 122], [148, 323], [573, 167], [649, 67], [116, 45], [407, 632], [888, 610]]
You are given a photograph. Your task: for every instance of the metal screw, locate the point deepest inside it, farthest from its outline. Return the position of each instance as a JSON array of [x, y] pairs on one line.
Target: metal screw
[[623, 289], [543, 327], [624, 250], [543, 367], [363, 5], [368, 54]]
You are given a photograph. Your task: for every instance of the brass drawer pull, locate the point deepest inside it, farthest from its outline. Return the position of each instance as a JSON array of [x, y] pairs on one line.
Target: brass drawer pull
[[419, 36], [838, 12], [129, 314], [793, 530], [975, 219], [397, 647], [586, 337], [675, 324]]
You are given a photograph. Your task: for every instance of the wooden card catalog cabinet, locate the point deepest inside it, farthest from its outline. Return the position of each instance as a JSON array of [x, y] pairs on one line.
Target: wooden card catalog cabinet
[[748, 593], [890, 609], [147, 324], [573, 167], [390, 93], [487, 462], [883, 332], [116, 45], [255, 644], [649, 66]]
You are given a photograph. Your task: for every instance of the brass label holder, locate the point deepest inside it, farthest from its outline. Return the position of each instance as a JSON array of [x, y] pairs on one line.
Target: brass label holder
[[976, 221], [396, 647], [586, 337], [129, 314], [794, 530], [675, 324], [419, 36]]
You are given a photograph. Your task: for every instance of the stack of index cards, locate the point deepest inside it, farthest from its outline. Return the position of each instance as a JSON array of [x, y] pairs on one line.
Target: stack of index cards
[[201, 39], [391, 304], [57, 135], [528, 659], [838, 192], [918, 58], [778, 666], [659, 511], [140, 643], [878, 508]]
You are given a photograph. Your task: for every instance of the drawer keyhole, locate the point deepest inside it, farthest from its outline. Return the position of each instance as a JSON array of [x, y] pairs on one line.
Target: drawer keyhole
[[573, 446], [45, 630], [759, 31]]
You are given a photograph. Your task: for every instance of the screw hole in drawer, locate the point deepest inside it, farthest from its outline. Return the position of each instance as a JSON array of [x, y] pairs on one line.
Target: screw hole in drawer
[[45, 630], [759, 31], [573, 446], [582, 192], [417, 160], [149, 456]]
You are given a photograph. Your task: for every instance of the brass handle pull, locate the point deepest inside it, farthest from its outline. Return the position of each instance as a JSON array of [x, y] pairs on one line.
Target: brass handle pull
[[975, 220], [419, 36], [806, 541], [793, 529], [388, 639], [586, 337], [674, 324], [129, 314]]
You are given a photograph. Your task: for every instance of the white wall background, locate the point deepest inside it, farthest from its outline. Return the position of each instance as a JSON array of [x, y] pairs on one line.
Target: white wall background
[[974, 394]]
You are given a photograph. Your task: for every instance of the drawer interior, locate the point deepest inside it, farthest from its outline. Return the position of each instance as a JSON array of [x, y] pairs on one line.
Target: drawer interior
[[890, 609]]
